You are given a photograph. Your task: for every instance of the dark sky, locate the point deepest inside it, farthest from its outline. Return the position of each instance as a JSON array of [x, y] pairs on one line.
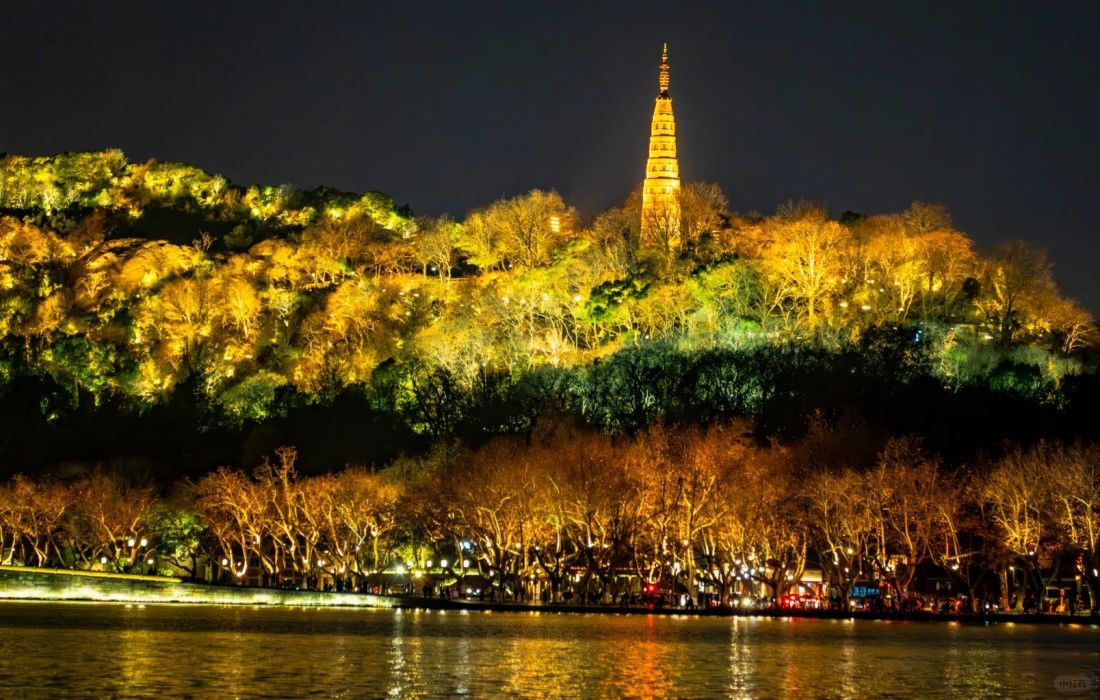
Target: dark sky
[[991, 108]]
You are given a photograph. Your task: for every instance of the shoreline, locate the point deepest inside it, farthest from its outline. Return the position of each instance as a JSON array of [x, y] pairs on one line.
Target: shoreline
[[346, 602], [33, 585], [885, 616], [28, 584]]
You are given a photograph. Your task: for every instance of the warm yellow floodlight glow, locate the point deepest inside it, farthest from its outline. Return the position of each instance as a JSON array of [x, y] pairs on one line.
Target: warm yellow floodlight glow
[[661, 190]]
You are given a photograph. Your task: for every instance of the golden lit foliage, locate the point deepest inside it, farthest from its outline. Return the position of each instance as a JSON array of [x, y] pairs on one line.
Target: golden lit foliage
[[521, 231], [333, 285], [24, 245], [807, 262]]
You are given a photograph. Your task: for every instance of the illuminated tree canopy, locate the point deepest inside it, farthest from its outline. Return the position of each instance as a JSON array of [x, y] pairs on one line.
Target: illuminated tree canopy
[[124, 282], [588, 400], [594, 516]]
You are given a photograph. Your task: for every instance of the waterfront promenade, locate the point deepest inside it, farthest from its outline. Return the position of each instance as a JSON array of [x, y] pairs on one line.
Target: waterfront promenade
[[53, 585]]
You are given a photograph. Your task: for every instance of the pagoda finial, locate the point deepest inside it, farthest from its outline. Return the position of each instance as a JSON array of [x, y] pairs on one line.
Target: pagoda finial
[[662, 82]]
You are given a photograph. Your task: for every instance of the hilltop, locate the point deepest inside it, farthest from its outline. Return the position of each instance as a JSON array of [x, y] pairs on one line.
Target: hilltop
[[135, 295]]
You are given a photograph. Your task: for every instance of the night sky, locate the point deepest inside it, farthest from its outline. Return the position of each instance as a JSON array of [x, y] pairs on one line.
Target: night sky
[[992, 108]]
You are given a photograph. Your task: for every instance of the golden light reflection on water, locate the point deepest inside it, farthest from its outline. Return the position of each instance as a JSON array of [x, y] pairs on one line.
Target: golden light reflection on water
[[847, 658], [643, 666], [136, 665], [104, 651], [742, 659], [534, 663]]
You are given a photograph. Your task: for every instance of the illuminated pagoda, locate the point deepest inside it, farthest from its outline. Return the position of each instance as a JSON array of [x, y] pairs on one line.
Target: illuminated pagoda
[[661, 191]]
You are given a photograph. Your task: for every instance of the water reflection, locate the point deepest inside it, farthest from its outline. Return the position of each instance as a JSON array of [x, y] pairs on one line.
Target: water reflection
[[535, 663], [847, 658], [399, 683], [742, 658], [98, 651], [640, 667]]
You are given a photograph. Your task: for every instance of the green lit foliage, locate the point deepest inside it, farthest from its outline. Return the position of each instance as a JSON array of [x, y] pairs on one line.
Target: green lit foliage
[[632, 388], [52, 183], [58, 187], [310, 292], [253, 399], [83, 366], [178, 529], [607, 308]]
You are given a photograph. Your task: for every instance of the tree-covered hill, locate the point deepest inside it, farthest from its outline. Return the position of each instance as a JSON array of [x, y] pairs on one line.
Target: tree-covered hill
[[155, 309]]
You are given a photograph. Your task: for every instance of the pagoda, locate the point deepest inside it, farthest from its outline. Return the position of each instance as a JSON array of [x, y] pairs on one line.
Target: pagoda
[[661, 190]]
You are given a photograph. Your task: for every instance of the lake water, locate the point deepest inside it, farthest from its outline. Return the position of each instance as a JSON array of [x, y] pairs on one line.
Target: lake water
[[85, 650]]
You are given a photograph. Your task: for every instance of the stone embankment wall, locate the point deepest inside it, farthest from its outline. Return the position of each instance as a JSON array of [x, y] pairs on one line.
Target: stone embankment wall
[[25, 583]]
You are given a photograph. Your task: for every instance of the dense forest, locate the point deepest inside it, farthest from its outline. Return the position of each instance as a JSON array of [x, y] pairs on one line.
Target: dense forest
[[542, 393], [146, 308]]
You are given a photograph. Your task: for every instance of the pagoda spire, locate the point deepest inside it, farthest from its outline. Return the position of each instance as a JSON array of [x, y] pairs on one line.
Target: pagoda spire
[[662, 81], [661, 189]]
